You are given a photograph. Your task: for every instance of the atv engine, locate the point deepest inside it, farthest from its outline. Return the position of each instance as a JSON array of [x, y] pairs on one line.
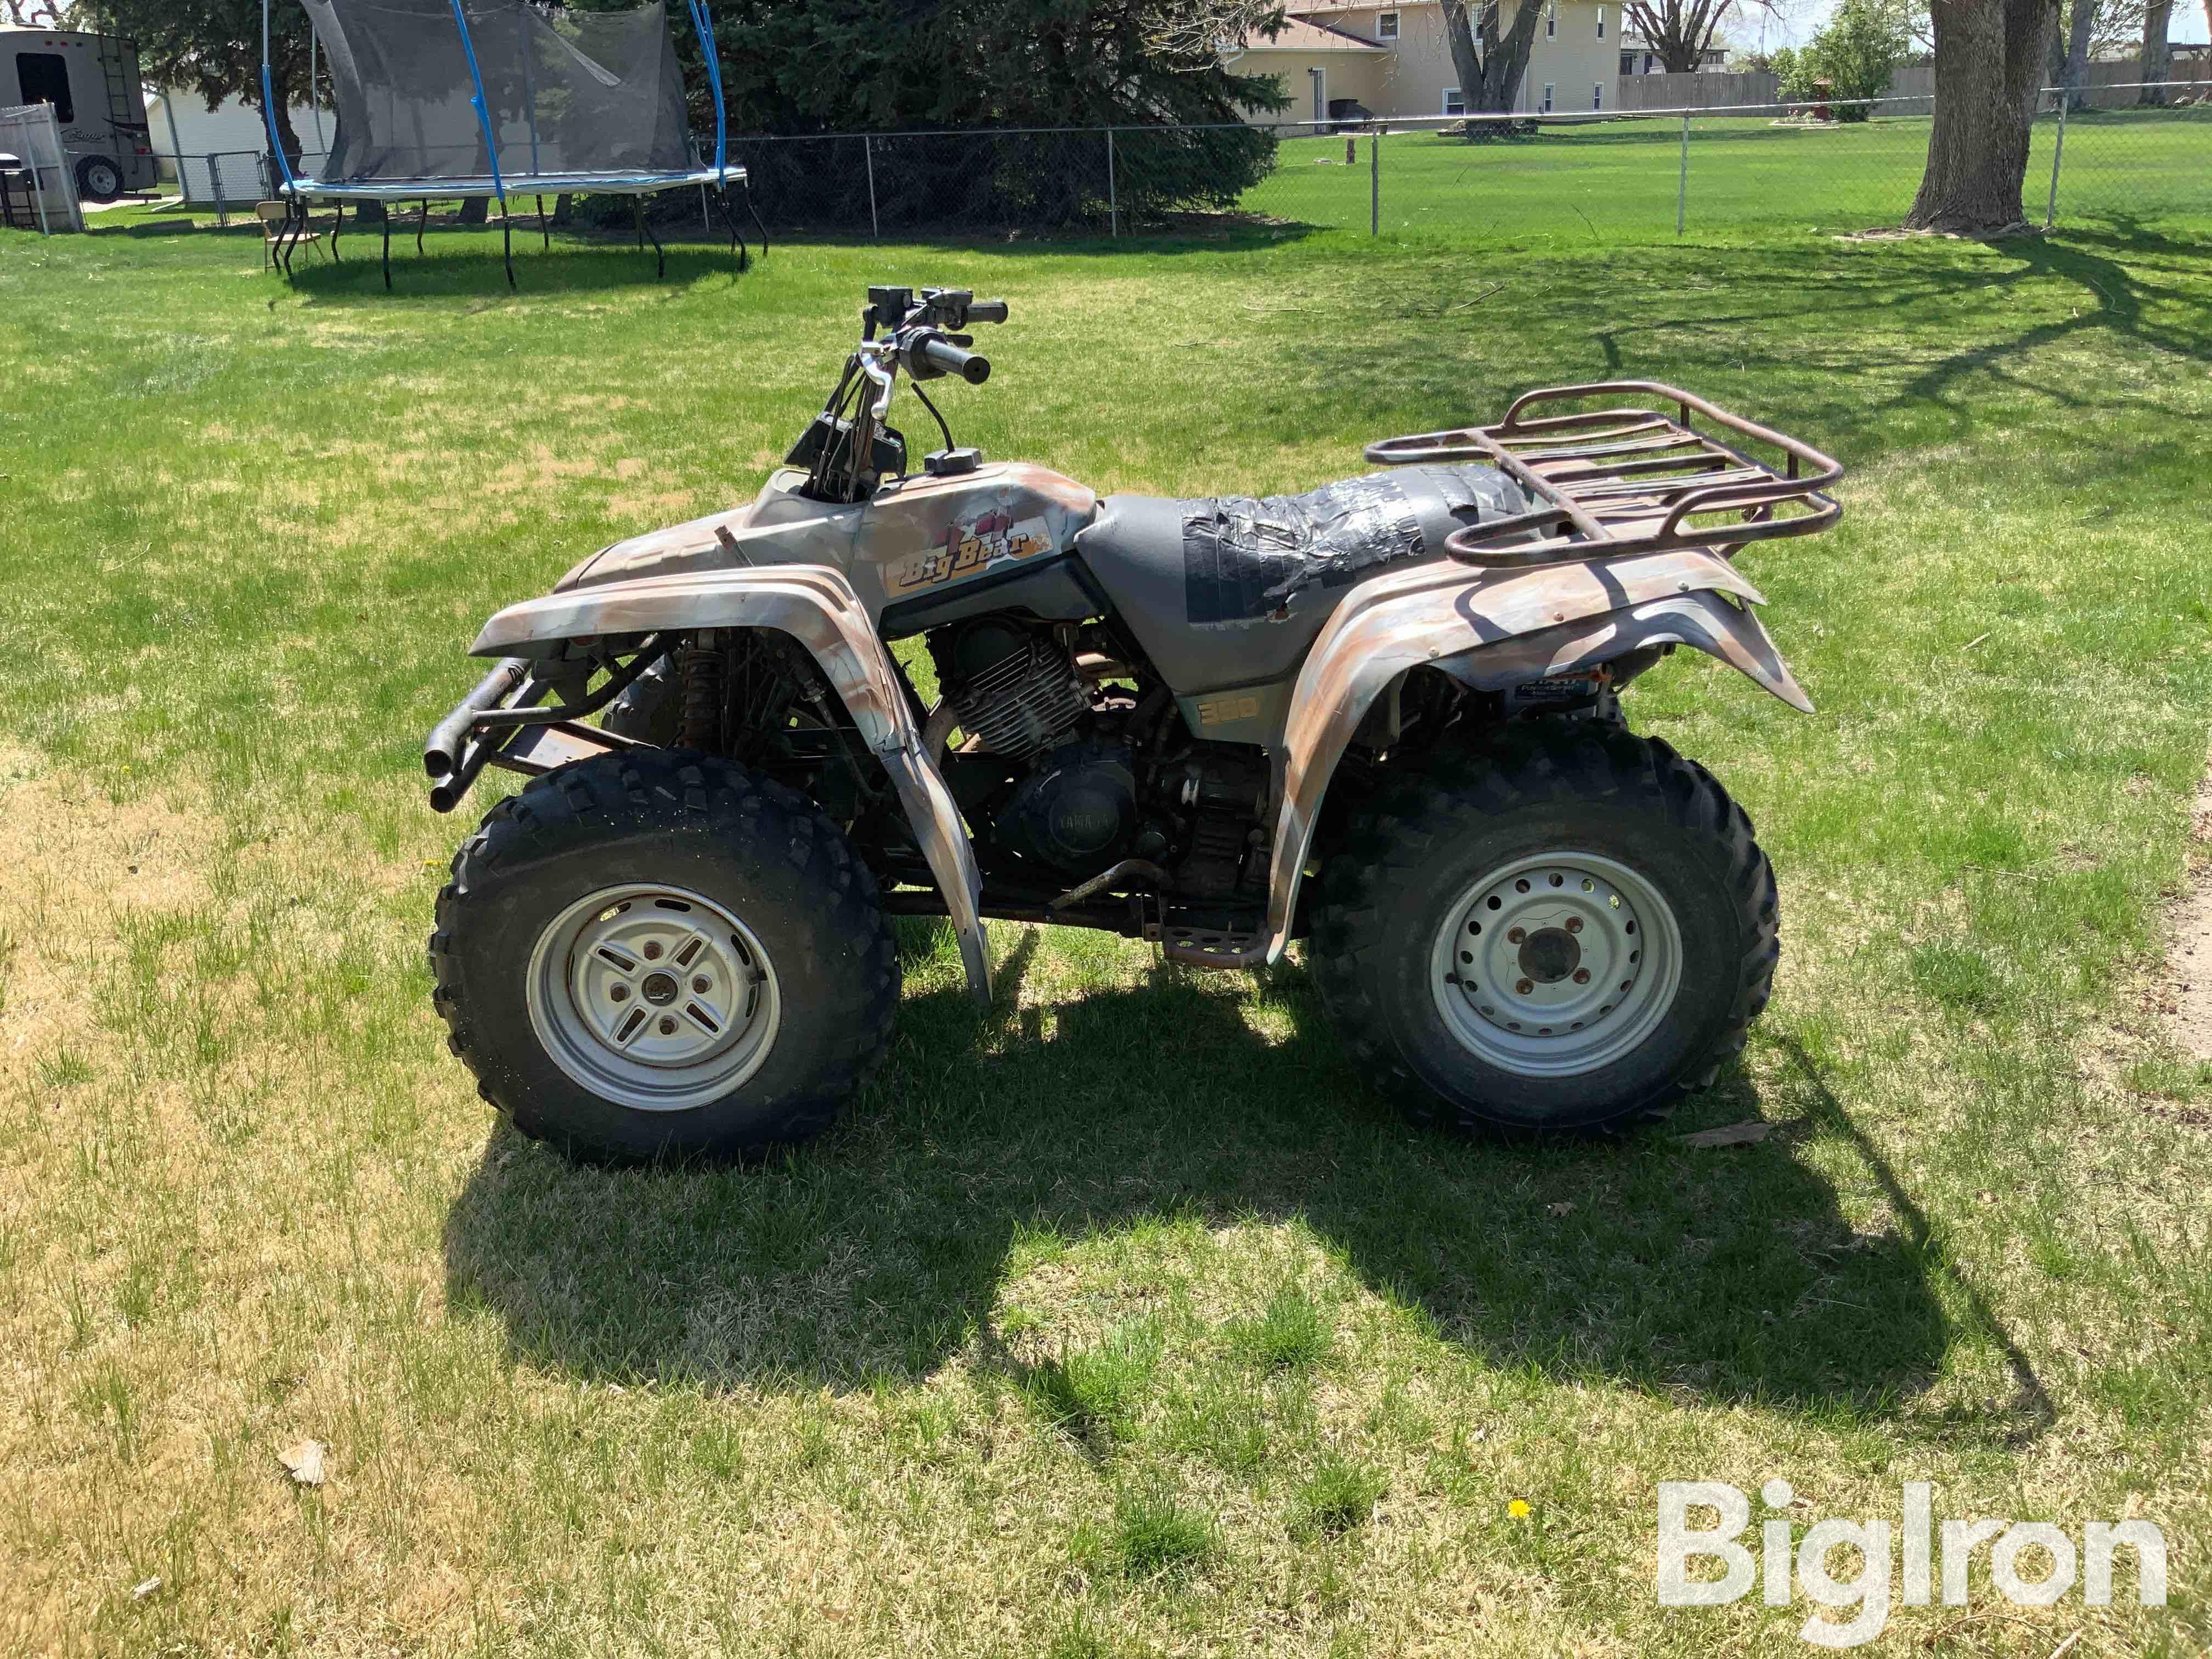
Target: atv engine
[[1016, 690], [1065, 776], [1014, 687]]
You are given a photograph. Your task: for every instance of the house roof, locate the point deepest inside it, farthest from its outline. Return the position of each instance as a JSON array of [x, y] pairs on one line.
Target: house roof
[[1309, 10], [1304, 34]]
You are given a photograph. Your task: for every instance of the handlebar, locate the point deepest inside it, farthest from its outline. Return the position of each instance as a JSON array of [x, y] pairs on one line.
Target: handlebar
[[941, 354], [986, 311]]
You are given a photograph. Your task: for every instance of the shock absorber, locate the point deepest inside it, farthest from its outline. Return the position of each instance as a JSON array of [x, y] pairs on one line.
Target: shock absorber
[[699, 666]]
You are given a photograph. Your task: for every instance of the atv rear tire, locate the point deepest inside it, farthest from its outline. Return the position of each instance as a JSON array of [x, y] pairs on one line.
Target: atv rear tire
[[659, 954], [1568, 932]]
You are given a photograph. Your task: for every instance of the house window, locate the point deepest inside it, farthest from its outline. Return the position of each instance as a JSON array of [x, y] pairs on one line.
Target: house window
[[1549, 88], [1601, 22], [44, 78], [1628, 63], [1597, 94], [1552, 20], [1385, 26], [1453, 103]]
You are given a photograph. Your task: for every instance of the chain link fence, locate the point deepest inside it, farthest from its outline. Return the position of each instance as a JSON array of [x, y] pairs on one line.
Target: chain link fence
[[2149, 164], [1589, 175], [1836, 168], [227, 181]]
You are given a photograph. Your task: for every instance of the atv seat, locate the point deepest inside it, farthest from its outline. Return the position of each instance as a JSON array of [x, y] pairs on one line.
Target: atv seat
[[1230, 590]]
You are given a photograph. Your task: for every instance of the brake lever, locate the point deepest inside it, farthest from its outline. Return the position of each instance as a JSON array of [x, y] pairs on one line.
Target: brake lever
[[882, 377]]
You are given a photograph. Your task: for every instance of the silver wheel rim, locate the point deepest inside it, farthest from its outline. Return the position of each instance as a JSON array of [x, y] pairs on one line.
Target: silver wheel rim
[[1556, 964], [655, 997]]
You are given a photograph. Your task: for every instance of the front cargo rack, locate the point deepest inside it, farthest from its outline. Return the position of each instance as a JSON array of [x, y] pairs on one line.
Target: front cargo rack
[[1608, 483]]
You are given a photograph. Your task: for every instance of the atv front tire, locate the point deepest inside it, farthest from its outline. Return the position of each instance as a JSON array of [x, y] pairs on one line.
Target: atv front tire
[[1570, 932], [660, 954]]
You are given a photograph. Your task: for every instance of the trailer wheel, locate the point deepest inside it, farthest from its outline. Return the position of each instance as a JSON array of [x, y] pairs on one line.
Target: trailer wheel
[[99, 178], [1570, 932]]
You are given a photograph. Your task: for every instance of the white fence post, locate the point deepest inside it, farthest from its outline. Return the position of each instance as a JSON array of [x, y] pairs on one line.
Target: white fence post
[[1375, 183], [1113, 197], [1682, 184], [868, 151], [2057, 153]]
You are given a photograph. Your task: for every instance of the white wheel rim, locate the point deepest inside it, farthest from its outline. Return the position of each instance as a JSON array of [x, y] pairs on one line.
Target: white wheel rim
[[1556, 964], [655, 997]]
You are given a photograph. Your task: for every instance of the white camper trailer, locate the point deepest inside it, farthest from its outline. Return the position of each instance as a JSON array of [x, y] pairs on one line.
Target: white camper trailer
[[92, 82]]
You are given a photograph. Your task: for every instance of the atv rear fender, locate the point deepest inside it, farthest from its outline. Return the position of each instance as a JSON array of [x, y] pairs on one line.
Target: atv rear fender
[[816, 606], [1489, 629]]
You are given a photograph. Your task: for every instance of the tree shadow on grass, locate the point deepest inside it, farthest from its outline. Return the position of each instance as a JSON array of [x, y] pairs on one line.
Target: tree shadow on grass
[[454, 266], [882, 1250], [1870, 342], [1182, 234], [468, 263]]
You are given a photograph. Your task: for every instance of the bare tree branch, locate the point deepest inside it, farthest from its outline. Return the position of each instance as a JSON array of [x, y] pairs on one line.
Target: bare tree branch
[[1202, 34], [1680, 32]]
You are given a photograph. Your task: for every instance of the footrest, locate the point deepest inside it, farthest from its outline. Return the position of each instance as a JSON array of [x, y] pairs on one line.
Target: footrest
[[1211, 947]]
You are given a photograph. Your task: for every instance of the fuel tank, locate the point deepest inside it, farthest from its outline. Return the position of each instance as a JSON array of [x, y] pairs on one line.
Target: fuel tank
[[918, 540]]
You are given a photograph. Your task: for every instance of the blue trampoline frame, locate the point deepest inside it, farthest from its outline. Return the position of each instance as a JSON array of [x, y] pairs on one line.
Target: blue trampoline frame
[[297, 192]]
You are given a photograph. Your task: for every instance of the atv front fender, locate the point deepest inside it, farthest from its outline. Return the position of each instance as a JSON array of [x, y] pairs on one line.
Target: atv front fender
[[817, 607], [1492, 629]]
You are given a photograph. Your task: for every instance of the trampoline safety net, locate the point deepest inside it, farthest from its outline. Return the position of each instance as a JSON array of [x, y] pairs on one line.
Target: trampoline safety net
[[568, 96]]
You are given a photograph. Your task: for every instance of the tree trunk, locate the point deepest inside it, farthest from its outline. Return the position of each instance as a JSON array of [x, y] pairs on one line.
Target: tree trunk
[[2077, 51], [1459, 32], [286, 137], [1509, 59], [475, 211], [1989, 67], [2157, 55], [1490, 75]]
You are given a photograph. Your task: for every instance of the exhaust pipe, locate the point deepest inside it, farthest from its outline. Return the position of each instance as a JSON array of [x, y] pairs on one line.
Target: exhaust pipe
[[442, 753]]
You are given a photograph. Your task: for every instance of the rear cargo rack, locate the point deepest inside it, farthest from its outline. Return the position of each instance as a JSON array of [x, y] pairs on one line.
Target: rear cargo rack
[[1608, 483]]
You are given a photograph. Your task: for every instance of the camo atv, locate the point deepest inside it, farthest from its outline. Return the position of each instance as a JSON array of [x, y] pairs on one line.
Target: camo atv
[[1383, 717]]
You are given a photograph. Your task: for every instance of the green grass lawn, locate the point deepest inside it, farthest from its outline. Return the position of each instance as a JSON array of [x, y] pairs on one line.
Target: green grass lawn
[[1615, 181], [1123, 1318]]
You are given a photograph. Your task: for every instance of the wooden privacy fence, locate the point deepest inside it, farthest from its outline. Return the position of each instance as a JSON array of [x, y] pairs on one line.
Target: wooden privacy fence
[[2103, 86]]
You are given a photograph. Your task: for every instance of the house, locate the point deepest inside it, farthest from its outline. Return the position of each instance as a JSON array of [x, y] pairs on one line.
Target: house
[[1327, 74], [1394, 60], [1639, 57]]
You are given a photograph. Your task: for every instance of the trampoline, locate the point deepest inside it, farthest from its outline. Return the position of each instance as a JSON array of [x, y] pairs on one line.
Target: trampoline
[[495, 99]]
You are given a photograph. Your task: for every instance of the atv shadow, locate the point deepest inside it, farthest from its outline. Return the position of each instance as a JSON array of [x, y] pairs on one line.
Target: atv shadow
[[882, 1250]]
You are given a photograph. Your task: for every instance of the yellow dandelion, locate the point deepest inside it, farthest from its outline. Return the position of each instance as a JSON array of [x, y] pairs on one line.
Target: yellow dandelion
[[1518, 1509]]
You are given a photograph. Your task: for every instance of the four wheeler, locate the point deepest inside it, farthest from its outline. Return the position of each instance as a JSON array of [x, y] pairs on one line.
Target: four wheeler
[[1383, 717]]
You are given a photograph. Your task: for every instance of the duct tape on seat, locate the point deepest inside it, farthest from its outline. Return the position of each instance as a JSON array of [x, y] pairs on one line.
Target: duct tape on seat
[[1246, 558]]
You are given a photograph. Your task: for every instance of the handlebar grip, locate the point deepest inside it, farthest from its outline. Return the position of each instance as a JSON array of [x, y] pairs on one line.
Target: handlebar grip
[[986, 311], [970, 366]]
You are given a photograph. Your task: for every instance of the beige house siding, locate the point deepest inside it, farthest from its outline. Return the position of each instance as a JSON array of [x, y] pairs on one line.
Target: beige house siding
[[1349, 74], [1573, 58]]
